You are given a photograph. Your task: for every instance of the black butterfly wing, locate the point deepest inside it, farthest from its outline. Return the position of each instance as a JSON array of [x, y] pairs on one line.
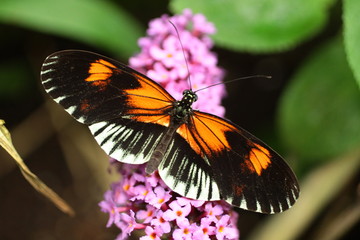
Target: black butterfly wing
[[126, 111], [94, 88], [240, 168], [186, 171]]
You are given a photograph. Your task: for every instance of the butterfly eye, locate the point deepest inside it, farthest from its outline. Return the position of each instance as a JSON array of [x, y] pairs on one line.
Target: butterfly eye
[[186, 92]]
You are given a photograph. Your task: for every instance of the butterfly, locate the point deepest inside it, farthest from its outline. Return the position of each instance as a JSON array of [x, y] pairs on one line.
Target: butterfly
[[197, 154]]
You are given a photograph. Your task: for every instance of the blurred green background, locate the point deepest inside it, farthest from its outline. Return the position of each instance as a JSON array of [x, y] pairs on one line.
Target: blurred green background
[[309, 111]]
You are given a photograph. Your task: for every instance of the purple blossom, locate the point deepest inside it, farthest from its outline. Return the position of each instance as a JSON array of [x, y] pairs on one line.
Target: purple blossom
[[109, 206], [176, 211], [146, 215], [161, 74], [127, 224], [140, 192], [151, 234], [224, 230], [162, 59], [160, 222], [205, 230], [185, 230], [212, 211], [143, 202], [162, 212], [158, 197]]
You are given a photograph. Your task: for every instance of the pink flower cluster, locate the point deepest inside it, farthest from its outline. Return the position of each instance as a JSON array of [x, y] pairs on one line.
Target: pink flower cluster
[[144, 202], [163, 60]]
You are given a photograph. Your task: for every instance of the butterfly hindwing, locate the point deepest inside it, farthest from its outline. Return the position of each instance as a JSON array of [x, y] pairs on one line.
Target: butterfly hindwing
[[126, 140], [188, 173]]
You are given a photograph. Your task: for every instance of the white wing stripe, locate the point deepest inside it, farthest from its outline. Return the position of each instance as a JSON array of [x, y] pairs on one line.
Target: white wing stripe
[[200, 181], [47, 80], [111, 137], [47, 71], [49, 63]]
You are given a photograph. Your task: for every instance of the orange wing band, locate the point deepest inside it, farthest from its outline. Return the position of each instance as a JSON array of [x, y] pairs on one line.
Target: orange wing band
[[148, 102], [211, 134], [154, 96], [259, 157], [100, 71]]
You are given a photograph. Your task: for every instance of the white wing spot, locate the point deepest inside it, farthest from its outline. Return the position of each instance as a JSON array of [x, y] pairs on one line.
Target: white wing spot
[[59, 99], [47, 80], [53, 57], [71, 109], [50, 89], [47, 71], [49, 63]]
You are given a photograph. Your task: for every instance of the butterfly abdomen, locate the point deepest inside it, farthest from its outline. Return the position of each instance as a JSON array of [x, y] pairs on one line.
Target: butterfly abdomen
[[160, 150]]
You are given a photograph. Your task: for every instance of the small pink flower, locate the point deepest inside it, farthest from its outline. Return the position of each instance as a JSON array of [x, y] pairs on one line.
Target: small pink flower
[[159, 196], [212, 211], [140, 192], [177, 211], [128, 185], [205, 230], [157, 27], [184, 231], [169, 53], [182, 201], [202, 25], [154, 180], [128, 224], [160, 222], [146, 215], [108, 205], [151, 234], [161, 74], [224, 230], [137, 177]]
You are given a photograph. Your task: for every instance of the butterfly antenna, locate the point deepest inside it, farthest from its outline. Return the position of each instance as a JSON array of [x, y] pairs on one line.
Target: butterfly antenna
[[233, 80], [183, 51]]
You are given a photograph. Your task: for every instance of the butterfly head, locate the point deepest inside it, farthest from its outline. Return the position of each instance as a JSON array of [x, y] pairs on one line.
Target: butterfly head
[[182, 108], [189, 97]]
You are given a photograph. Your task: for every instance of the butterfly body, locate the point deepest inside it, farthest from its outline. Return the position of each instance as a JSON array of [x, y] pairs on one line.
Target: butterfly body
[[197, 154], [179, 114]]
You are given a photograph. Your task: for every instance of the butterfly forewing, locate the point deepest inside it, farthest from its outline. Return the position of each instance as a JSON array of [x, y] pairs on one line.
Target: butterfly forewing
[[93, 88], [130, 116], [125, 111]]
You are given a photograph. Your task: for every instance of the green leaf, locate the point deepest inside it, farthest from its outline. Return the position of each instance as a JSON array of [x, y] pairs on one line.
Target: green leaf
[[319, 113], [352, 35], [98, 23], [260, 25]]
